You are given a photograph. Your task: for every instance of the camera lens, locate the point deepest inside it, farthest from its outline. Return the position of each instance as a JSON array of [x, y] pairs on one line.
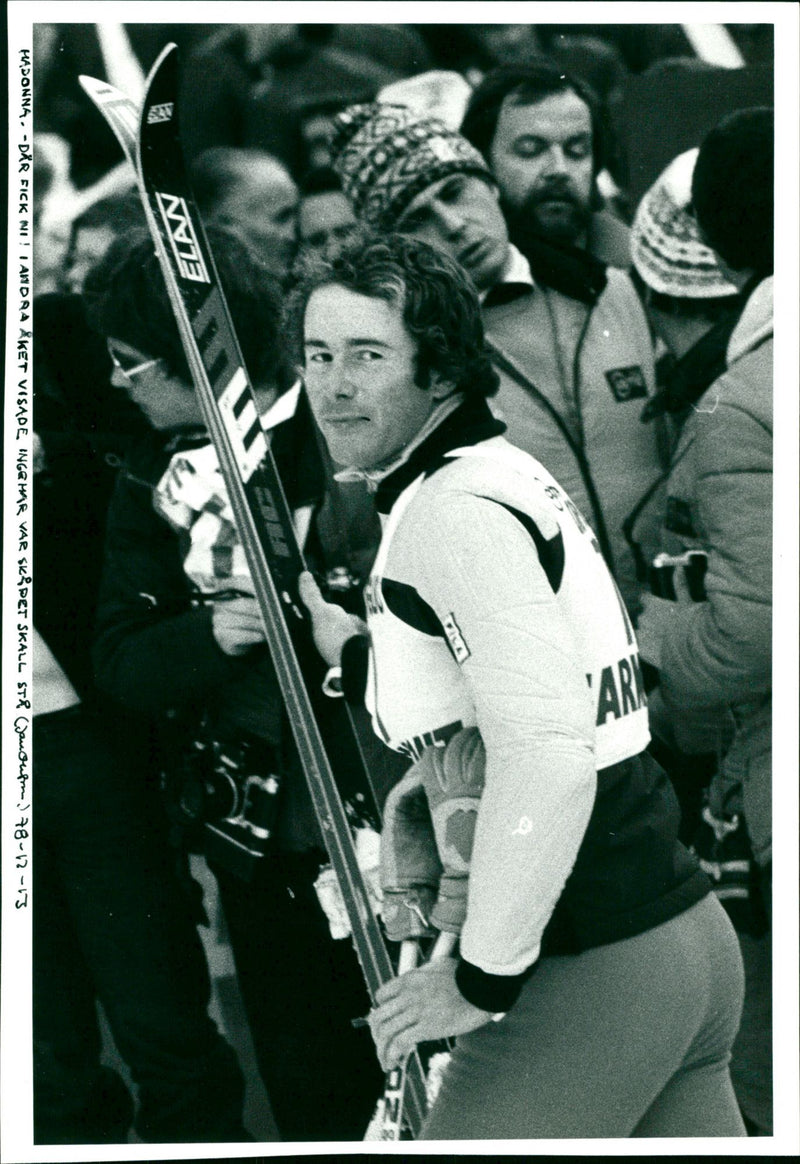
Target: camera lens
[[211, 798]]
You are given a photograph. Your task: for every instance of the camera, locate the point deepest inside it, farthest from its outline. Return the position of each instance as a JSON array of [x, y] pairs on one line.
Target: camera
[[225, 798], [342, 586], [692, 564]]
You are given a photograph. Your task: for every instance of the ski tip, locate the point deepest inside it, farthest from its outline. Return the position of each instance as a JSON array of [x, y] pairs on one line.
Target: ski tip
[[161, 90], [92, 85], [161, 97], [169, 51]]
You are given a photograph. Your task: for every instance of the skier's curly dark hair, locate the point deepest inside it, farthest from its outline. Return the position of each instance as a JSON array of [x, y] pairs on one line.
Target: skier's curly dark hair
[[441, 311]]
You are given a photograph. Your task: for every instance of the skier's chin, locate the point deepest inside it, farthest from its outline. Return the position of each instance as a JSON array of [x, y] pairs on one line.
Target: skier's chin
[[347, 443]]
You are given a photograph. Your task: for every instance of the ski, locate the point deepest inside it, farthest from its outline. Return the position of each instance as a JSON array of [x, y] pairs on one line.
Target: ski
[[324, 732]]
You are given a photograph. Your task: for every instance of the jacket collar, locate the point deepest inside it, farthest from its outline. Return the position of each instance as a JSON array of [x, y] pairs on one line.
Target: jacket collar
[[687, 378], [471, 423], [517, 280], [571, 271]]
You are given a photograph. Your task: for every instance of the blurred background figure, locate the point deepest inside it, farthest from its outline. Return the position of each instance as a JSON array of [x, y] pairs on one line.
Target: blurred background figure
[[51, 184], [71, 226], [253, 192], [93, 232], [440, 93], [265, 85], [713, 649], [505, 44], [475, 49], [596, 61], [324, 214]]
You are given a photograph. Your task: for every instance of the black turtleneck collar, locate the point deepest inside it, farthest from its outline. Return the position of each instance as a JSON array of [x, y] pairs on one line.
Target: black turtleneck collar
[[570, 270], [471, 423]]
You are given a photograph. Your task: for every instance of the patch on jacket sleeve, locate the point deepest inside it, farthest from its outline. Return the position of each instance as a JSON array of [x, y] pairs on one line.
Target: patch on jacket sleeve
[[678, 518], [627, 383], [458, 646]]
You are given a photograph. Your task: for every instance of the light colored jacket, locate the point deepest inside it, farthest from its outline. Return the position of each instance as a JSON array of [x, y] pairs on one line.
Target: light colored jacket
[[593, 367], [720, 500]]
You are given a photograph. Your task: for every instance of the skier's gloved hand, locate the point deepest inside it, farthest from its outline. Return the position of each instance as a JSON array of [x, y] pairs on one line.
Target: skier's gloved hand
[[331, 625], [410, 865], [453, 778]]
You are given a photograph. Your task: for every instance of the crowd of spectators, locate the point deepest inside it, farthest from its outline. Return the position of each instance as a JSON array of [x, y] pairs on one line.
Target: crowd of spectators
[[633, 348]]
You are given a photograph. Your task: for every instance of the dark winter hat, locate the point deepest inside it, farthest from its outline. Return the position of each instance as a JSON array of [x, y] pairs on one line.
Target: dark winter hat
[[385, 156], [733, 189]]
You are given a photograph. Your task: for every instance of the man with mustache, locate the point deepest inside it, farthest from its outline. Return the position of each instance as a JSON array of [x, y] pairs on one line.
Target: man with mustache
[[543, 136], [570, 339]]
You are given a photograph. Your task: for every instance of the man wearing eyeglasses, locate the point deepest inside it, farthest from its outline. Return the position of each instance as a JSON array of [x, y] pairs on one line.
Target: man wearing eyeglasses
[[163, 398], [111, 920], [179, 640]]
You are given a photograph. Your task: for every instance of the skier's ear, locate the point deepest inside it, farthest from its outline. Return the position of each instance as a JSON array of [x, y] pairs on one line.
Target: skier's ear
[[439, 387]]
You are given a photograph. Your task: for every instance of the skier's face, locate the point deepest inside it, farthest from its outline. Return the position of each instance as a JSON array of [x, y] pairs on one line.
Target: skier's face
[[359, 375], [166, 401]]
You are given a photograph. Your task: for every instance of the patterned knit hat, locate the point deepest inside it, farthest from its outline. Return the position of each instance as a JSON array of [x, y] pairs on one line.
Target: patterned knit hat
[[385, 155], [665, 240]]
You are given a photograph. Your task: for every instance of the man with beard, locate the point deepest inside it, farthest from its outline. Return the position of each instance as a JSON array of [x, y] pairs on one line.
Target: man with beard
[[569, 336], [542, 134]]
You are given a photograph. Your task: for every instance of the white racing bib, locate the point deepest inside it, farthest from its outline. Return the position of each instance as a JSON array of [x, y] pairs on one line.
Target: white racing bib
[[417, 693]]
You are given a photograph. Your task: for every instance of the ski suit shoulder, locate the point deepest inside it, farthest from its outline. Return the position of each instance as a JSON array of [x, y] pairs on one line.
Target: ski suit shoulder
[[490, 605]]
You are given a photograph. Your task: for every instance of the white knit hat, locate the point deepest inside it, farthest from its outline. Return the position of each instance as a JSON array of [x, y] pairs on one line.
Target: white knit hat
[[438, 93], [665, 241]]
